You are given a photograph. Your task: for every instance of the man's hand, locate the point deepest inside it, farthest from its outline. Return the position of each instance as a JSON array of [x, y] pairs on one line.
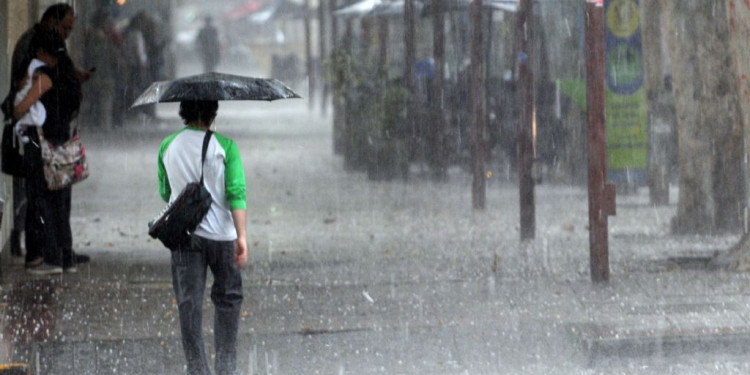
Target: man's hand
[[240, 252], [240, 245]]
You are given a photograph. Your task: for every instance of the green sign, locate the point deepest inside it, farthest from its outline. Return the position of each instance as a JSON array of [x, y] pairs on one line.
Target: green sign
[[625, 103], [627, 136]]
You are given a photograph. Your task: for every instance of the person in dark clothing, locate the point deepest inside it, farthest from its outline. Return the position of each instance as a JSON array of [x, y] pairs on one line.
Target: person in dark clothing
[[59, 18], [48, 230], [208, 45], [137, 37], [103, 51]]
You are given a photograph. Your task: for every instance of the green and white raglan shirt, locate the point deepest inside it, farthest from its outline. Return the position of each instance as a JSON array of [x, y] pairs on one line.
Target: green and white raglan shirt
[[223, 176]]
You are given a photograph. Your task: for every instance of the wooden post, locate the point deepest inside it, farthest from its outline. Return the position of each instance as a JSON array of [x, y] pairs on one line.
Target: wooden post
[[601, 194], [526, 119], [476, 100]]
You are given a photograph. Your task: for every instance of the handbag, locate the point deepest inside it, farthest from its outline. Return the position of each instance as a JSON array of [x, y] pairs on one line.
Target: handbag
[[175, 225], [65, 164], [10, 147]]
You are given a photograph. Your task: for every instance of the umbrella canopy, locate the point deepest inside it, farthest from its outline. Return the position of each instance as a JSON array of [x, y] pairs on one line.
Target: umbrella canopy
[[215, 86]]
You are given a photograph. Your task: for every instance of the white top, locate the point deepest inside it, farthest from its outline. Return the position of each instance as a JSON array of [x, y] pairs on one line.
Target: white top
[[180, 157], [37, 114]]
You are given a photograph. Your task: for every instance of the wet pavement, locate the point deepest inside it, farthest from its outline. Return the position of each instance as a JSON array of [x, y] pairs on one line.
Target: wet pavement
[[349, 276]]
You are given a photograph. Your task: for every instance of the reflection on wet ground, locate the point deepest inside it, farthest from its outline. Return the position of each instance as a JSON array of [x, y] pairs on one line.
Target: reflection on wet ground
[[30, 309]]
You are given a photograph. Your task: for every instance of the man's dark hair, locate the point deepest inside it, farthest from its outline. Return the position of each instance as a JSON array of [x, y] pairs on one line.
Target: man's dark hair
[[198, 110], [57, 11], [49, 41]]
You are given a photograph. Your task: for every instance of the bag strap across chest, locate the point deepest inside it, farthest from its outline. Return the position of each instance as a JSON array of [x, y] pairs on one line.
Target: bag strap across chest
[[206, 139]]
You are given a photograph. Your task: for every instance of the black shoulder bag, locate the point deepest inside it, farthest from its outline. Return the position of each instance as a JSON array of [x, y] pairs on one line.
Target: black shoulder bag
[[174, 227]]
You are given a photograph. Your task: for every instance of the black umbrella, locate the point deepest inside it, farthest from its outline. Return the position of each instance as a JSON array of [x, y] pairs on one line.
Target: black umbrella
[[215, 86]]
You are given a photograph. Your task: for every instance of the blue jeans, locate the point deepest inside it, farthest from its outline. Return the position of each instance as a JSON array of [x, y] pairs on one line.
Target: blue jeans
[[189, 267]]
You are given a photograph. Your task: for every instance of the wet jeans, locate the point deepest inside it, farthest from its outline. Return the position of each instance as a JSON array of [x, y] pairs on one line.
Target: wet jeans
[[189, 268]]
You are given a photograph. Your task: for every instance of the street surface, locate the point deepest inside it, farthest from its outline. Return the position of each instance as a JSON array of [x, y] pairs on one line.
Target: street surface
[[350, 276]]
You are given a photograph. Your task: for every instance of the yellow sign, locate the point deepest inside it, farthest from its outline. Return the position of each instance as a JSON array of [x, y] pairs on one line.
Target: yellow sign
[[623, 18]]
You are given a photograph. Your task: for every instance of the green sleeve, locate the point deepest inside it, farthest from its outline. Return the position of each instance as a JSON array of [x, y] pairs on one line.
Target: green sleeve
[[234, 177], [165, 190]]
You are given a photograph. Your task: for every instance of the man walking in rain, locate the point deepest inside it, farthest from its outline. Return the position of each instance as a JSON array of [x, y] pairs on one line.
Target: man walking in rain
[[208, 45], [219, 242]]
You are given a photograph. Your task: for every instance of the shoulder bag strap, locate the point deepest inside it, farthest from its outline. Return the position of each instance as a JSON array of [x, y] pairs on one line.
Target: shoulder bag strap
[[75, 132], [206, 139]]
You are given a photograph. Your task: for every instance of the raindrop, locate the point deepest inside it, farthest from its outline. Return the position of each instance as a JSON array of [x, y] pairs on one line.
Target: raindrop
[[367, 296]]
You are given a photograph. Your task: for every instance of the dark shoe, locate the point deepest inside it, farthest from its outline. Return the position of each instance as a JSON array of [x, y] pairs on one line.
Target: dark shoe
[[81, 258], [15, 243], [70, 266], [44, 269]]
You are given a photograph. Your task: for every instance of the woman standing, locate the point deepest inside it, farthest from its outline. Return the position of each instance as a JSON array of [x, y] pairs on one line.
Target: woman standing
[[49, 241], [218, 243]]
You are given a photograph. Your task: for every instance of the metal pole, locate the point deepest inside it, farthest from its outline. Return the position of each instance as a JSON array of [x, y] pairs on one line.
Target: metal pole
[[526, 120], [601, 194]]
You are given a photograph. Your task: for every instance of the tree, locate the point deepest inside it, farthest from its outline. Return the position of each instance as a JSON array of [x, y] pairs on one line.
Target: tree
[[709, 122], [660, 103], [738, 257]]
